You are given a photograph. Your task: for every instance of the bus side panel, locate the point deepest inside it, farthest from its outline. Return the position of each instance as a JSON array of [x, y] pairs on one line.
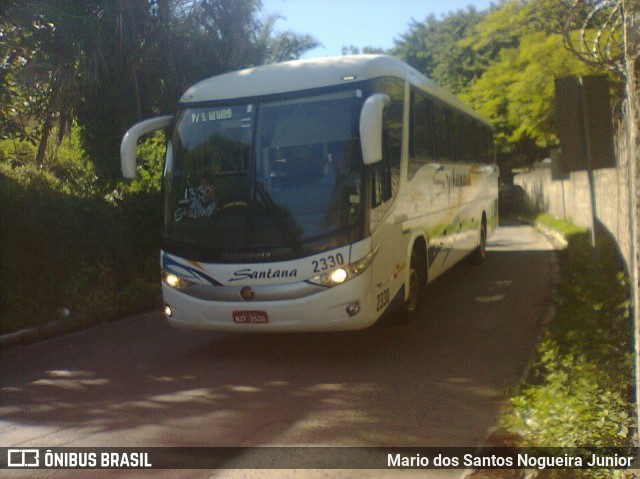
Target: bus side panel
[[445, 203], [431, 210]]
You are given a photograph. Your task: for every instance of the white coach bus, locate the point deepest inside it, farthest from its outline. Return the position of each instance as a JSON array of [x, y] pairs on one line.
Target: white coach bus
[[315, 195]]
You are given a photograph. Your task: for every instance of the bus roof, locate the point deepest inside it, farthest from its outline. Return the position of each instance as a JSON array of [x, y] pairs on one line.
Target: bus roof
[[298, 75]]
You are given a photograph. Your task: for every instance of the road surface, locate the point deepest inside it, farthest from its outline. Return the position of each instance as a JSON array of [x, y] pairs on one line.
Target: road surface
[[438, 381]]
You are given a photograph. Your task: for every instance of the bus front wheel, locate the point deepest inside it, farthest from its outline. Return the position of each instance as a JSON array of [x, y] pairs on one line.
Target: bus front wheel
[[417, 282]]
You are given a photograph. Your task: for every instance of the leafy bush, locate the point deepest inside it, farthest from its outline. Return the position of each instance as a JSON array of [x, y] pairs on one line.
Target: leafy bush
[[65, 246], [16, 152], [581, 390], [65, 167], [68, 162]]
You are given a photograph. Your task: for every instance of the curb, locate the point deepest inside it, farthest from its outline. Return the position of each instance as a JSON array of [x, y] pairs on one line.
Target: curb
[[59, 327], [68, 325], [39, 333], [556, 239]]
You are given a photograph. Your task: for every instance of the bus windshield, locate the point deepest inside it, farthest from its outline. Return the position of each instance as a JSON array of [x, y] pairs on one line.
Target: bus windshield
[[268, 176]]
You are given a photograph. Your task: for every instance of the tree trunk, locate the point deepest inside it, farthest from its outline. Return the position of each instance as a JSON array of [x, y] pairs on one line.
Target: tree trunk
[[44, 139]]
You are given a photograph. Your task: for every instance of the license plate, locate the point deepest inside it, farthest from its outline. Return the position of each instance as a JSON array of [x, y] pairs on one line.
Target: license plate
[[250, 317]]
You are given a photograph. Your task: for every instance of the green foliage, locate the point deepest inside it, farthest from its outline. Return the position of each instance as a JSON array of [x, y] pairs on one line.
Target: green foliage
[[517, 93], [503, 62], [565, 228], [41, 244], [74, 236], [67, 161], [95, 257], [150, 164], [65, 166], [434, 48], [17, 40], [580, 392], [509, 21], [108, 64], [17, 152], [566, 412]]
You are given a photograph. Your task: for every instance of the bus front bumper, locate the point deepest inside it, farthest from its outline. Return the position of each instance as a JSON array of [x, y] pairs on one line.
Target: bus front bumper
[[343, 307]]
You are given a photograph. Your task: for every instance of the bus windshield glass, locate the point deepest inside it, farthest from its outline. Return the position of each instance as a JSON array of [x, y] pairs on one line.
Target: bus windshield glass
[[269, 176]]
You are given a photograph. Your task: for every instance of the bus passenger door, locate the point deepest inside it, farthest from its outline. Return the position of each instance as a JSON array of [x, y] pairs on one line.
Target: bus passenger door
[[386, 238], [386, 235], [382, 137]]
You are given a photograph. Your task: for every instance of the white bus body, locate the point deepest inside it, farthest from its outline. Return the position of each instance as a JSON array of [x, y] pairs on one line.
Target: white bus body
[[314, 195]]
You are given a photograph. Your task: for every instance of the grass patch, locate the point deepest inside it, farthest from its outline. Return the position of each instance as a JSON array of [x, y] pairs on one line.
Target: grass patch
[[565, 228], [580, 389]]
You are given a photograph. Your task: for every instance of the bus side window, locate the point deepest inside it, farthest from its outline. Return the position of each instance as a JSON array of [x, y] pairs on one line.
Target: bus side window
[[475, 147], [393, 126], [456, 124], [392, 131], [380, 183], [487, 147], [443, 126], [462, 138], [422, 145], [386, 173]]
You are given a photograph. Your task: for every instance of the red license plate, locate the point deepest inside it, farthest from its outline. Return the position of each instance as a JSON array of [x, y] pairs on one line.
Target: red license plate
[[250, 317]]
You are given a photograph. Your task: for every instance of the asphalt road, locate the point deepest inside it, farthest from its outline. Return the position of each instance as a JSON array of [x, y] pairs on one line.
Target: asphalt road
[[438, 381]]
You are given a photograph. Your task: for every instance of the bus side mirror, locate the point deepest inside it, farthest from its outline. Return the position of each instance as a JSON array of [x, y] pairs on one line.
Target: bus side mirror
[[371, 127], [130, 140]]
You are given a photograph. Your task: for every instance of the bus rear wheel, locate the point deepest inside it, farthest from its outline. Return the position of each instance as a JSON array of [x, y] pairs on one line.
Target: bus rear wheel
[[480, 253]]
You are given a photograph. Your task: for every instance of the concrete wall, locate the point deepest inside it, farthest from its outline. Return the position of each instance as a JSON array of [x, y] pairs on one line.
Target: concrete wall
[[570, 199]]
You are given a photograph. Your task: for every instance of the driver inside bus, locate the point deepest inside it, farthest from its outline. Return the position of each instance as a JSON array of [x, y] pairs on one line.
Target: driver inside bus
[[329, 173], [338, 172]]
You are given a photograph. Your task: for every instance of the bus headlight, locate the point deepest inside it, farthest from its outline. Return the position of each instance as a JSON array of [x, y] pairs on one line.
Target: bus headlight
[[338, 276], [345, 273], [175, 281]]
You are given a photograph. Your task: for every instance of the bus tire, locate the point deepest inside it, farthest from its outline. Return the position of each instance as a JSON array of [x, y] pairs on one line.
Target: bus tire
[[480, 253], [417, 284]]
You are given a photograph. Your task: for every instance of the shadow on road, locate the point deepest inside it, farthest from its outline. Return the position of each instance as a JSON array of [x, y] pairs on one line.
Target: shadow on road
[[437, 381]]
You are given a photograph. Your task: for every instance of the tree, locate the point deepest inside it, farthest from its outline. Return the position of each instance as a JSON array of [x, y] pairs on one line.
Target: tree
[[283, 46], [507, 23], [503, 62], [158, 53], [37, 75], [516, 92], [434, 48], [11, 59], [109, 63]]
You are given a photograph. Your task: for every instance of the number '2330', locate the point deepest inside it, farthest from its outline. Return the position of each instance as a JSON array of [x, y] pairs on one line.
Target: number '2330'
[[329, 262], [382, 299]]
